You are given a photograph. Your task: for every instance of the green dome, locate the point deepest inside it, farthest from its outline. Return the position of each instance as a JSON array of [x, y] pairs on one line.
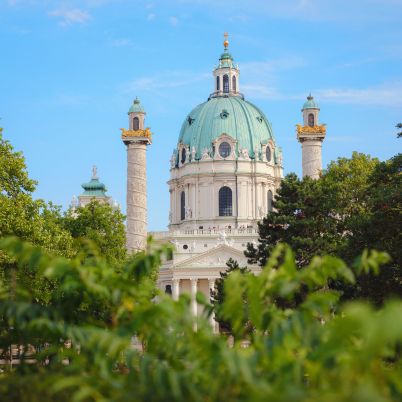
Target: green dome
[[310, 103], [94, 188], [226, 60], [231, 115], [136, 107]]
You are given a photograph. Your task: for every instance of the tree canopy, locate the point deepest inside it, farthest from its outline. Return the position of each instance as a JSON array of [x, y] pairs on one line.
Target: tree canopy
[[355, 205], [101, 224], [23, 216]]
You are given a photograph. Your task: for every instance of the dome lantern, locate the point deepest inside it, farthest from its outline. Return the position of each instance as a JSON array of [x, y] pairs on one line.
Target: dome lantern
[[226, 74]]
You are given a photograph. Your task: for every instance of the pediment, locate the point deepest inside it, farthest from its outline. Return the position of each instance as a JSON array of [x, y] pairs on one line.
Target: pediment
[[216, 257]]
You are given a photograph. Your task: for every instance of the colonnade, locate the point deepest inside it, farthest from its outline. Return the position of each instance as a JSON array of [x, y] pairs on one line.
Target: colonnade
[[194, 288]]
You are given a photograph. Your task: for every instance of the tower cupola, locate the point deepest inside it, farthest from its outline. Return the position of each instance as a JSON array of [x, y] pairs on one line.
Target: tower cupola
[[226, 74], [310, 112], [136, 116]]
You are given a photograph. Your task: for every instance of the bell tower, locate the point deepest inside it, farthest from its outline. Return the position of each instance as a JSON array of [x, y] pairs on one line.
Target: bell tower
[[311, 135], [136, 139]]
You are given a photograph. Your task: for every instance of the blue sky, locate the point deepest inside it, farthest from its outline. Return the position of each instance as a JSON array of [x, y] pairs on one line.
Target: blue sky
[[70, 70]]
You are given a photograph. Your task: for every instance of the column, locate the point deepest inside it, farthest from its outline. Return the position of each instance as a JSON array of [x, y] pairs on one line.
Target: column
[[311, 157], [211, 283], [176, 289], [193, 296], [136, 195]]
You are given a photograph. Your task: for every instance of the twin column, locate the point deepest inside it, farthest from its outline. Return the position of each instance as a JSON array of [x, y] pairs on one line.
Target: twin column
[[194, 286]]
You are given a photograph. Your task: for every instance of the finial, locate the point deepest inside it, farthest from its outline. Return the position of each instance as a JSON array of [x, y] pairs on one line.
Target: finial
[[94, 172], [310, 97], [136, 100], [226, 42]]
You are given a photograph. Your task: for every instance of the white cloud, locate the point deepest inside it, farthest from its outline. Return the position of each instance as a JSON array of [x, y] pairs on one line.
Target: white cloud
[[385, 95], [388, 94], [150, 17], [71, 16], [120, 42], [164, 80], [173, 21]]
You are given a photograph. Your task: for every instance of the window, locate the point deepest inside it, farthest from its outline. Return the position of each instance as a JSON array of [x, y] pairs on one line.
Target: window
[[182, 206], [183, 155], [224, 149], [218, 83], [226, 84], [225, 201], [269, 200], [168, 289], [268, 153], [311, 120], [234, 83], [136, 123]]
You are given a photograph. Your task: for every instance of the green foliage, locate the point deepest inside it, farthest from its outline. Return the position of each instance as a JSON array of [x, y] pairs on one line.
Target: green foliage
[[20, 214], [101, 224], [318, 350], [218, 294], [355, 205], [399, 126]]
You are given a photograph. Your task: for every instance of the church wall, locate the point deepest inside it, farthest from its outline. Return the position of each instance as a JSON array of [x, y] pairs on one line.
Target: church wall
[[201, 182]]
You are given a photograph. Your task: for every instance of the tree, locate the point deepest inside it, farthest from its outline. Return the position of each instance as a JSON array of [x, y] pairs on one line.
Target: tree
[[399, 126], [379, 227], [318, 350], [218, 295], [101, 224], [20, 214], [355, 205]]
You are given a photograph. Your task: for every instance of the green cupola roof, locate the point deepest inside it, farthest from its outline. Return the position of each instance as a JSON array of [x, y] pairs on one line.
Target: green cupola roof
[[94, 188], [310, 103], [230, 115], [136, 107], [226, 112]]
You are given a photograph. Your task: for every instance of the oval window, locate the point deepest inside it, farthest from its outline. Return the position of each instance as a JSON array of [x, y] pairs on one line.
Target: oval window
[[268, 154], [224, 149]]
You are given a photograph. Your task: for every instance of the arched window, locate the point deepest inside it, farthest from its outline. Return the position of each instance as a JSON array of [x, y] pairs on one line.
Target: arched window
[[311, 120], [182, 206], [268, 153], [218, 87], [136, 123], [269, 201], [183, 155], [225, 201], [226, 84], [234, 83]]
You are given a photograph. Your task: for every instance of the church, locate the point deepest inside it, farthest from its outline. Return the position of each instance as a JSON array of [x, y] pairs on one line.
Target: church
[[224, 172]]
